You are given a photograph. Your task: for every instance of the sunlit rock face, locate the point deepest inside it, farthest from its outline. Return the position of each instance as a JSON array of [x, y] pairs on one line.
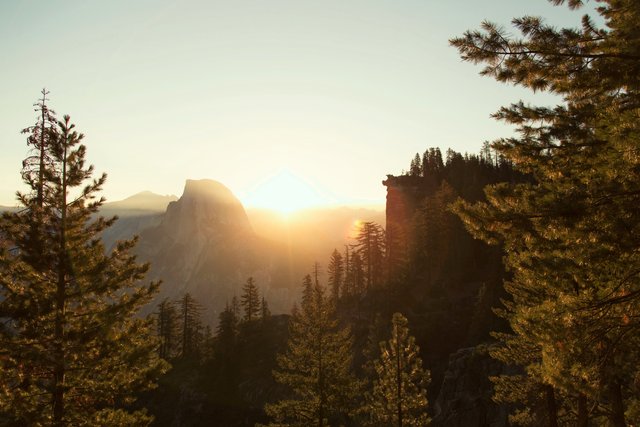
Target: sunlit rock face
[[207, 211], [206, 246]]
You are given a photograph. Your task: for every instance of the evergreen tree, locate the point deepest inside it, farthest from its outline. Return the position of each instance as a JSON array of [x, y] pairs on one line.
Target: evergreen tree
[[570, 234], [370, 248], [235, 306], [227, 328], [265, 313], [190, 325], [40, 138], [226, 334], [348, 273], [73, 352], [316, 273], [416, 166], [434, 234], [399, 396], [336, 275], [307, 290], [250, 300], [315, 368], [357, 274], [167, 318]]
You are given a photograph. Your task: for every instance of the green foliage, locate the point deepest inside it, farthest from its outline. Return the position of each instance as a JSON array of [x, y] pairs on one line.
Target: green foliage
[[72, 350], [315, 368], [571, 235], [399, 396]]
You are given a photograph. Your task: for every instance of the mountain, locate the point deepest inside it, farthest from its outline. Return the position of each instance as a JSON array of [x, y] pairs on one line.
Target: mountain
[[207, 244], [136, 213], [142, 202], [204, 244]]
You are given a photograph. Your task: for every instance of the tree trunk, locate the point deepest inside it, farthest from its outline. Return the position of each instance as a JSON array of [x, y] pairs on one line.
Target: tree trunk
[[617, 405], [583, 413], [552, 407], [59, 364], [398, 377]]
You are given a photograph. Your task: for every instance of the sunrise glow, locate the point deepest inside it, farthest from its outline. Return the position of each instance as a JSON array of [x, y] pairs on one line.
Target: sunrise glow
[[286, 193]]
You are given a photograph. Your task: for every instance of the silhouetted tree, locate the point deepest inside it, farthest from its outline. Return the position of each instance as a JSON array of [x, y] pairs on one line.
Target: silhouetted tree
[[265, 313], [336, 275], [190, 325], [167, 325], [250, 300], [416, 166], [370, 247]]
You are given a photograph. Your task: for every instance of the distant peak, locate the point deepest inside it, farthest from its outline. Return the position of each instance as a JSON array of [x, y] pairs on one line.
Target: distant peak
[[207, 188]]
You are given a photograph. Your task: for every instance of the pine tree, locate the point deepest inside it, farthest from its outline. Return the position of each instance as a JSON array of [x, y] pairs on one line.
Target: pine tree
[[316, 273], [190, 325], [336, 275], [369, 245], [348, 276], [250, 300], [73, 352], [357, 274], [415, 169], [315, 368], [434, 232], [399, 396], [167, 325], [35, 166], [265, 313], [570, 235], [235, 306], [226, 333], [307, 290]]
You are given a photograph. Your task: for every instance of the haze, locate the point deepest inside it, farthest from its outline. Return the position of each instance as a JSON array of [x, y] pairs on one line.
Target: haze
[[332, 93]]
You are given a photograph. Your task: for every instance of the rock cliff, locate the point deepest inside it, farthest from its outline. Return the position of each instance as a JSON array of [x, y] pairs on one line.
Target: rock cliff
[[206, 246]]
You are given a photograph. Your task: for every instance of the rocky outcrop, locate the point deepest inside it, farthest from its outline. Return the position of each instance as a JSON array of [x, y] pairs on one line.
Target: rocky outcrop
[[465, 395]]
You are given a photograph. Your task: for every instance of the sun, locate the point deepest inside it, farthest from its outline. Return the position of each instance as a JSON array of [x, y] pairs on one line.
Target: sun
[[286, 193]]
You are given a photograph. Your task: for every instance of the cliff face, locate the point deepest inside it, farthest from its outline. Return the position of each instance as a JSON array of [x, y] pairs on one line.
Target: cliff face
[[206, 246], [451, 285], [207, 212], [465, 396], [404, 194]]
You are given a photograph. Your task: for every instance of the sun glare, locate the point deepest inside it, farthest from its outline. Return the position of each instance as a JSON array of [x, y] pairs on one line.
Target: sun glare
[[285, 193]]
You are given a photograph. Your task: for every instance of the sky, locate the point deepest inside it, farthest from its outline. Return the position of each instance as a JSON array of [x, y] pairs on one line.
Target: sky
[[332, 94]]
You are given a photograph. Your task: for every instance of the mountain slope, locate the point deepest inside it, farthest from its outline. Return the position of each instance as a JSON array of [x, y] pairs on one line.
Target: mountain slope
[[205, 245]]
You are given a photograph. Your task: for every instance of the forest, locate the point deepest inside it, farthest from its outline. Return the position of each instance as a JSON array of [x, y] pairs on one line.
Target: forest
[[504, 288]]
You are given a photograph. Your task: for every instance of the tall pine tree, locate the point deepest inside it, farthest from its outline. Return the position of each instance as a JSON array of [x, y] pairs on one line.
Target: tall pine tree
[[250, 300], [168, 329], [189, 311], [571, 235], [399, 396], [336, 276], [315, 368], [73, 352]]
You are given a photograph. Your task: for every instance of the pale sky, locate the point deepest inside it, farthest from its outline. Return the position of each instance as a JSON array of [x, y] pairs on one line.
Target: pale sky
[[336, 92]]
